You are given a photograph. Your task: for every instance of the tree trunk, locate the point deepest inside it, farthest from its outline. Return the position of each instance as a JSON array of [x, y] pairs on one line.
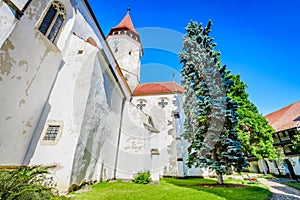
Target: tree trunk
[[220, 178]]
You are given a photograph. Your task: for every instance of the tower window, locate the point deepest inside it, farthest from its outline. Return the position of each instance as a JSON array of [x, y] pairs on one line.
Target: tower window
[[129, 53], [53, 20]]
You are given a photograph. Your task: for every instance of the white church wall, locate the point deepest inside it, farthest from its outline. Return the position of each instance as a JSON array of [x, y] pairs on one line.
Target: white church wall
[[7, 21], [135, 144], [165, 141], [95, 154], [20, 4], [68, 100], [29, 65]]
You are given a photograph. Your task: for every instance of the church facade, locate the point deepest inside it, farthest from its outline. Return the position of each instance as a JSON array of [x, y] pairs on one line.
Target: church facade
[[72, 98]]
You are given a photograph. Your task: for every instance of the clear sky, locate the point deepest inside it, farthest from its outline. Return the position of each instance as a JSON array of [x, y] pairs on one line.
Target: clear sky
[[258, 39]]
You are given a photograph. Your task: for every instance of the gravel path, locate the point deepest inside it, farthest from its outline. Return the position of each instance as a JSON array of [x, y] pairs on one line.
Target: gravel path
[[280, 191]]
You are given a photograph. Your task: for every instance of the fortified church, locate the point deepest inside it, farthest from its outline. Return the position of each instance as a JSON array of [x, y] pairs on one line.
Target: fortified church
[[71, 98]]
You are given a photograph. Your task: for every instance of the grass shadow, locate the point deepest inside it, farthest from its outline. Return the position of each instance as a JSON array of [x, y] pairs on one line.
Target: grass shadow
[[249, 192]]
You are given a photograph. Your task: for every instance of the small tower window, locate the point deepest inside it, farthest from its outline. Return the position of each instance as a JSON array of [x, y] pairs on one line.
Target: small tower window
[[129, 53], [53, 20]]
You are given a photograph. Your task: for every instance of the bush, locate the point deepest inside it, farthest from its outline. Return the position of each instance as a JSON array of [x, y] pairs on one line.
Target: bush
[[142, 177], [26, 183]]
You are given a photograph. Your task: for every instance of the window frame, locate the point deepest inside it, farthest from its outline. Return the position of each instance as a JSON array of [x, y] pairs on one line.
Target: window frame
[[45, 129], [60, 10]]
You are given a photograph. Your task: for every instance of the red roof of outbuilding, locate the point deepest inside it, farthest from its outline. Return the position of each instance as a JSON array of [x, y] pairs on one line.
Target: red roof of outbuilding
[[158, 88], [285, 118]]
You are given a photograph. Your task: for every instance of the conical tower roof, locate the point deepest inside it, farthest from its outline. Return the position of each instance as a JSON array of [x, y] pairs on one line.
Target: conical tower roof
[[125, 27], [126, 24]]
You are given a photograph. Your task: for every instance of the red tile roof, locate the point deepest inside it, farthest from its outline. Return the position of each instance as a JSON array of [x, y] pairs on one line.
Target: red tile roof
[[285, 118], [158, 88], [126, 24]]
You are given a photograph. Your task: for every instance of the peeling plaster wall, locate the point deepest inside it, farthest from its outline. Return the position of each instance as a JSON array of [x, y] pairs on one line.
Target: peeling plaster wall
[[97, 144], [7, 22], [135, 143], [88, 100], [165, 141], [68, 100], [28, 67]]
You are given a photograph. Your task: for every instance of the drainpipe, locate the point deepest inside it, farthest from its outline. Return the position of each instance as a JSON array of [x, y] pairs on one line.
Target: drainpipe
[[119, 137]]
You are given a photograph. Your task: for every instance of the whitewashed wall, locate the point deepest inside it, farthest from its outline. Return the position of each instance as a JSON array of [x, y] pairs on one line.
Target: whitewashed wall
[[165, 141], [128, 55], [135, 143], [88, 100], [7, 22], [28, 67]]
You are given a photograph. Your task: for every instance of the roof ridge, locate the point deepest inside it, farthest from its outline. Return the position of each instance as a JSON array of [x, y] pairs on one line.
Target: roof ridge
[[282, 118]]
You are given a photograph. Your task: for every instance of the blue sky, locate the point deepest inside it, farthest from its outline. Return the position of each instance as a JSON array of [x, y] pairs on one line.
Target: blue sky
[[257, 39]]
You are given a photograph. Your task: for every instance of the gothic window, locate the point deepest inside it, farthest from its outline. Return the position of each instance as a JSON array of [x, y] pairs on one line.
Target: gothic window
[[53, 20], [163, 103]]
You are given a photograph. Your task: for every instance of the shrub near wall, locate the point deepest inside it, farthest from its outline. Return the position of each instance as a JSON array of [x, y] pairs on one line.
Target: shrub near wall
[[142, 177], [25, 183]]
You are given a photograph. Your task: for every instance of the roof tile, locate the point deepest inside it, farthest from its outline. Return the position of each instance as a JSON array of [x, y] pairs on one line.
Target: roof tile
[[284, 118], [158, 88]]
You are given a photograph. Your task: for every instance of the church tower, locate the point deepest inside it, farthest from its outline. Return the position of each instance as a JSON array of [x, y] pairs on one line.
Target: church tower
[[126, 46]]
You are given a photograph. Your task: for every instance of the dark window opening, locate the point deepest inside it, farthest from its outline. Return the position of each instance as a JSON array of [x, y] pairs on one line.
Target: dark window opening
[[53, 20], [51, 132]]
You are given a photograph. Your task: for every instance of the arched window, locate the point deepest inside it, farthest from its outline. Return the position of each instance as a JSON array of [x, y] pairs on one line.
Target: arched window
[[53, 20]]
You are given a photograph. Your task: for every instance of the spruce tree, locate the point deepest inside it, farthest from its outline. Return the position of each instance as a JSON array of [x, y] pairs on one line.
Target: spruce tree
[[211, 116]]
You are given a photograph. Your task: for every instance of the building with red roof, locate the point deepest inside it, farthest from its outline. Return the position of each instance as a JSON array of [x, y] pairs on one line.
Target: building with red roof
[[286, 122], [158, 89]]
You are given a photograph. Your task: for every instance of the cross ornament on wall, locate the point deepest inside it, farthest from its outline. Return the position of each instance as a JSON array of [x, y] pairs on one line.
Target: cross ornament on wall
[[162, 103], [141, 105]]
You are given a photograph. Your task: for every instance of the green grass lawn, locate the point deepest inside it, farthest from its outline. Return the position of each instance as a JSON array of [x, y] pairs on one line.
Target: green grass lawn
[[293, 184], [171, 188]]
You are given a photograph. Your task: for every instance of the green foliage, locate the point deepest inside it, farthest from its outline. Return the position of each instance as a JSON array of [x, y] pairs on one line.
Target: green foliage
[[171, 188], [211, 115], [295, 141], [280, 156], [25, 183], [253, 129], [143, 177], [293, 185]]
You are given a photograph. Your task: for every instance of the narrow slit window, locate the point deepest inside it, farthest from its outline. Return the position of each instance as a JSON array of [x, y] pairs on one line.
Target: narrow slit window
[[53, 20]]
